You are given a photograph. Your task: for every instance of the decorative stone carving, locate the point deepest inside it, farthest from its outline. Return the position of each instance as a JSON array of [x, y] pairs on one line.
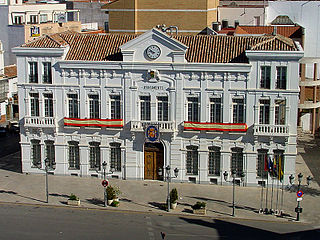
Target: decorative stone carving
[[218, 76]]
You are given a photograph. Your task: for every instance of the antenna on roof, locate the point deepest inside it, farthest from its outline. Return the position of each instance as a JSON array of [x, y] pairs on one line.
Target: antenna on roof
[[165, 29]]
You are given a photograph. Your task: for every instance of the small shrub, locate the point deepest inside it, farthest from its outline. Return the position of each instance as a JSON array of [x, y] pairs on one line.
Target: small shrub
[[173, 195], [115, 204], [73, 197], [117, 192], [110, 193], [199, 205]]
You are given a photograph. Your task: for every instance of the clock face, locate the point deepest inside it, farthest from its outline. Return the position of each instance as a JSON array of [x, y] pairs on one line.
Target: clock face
[[153, 52]]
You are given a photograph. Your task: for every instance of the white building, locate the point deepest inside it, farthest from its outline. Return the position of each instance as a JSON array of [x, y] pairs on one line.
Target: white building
[[219, 103]]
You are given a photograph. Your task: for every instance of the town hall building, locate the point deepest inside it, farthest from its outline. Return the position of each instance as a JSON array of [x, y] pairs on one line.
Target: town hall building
[[203, 104]]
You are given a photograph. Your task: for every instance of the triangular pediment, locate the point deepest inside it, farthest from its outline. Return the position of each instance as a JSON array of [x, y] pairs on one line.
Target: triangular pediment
[[154, 46]]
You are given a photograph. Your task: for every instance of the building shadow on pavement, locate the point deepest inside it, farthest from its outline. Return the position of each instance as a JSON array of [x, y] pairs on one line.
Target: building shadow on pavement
[[10, 153], [230, 230], [19, 195]]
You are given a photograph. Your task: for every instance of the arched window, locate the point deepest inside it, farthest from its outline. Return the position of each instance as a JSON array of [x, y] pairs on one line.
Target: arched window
[[237, 161], [214, 161], [192, 160], [94, 158], [262, 163], [74, 156], [36, 153], [50, 152], [115, 156]]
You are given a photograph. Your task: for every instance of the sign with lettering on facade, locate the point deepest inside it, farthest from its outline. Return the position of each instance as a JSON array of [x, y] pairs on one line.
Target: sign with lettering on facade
[[34, 31], [152, 134]]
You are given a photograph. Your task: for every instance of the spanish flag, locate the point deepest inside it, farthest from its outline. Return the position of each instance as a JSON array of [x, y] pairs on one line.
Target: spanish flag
[[280, 174]]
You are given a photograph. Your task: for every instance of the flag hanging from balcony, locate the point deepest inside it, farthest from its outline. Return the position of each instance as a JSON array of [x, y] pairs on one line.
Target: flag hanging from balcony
[[93, 122], [229, 127]]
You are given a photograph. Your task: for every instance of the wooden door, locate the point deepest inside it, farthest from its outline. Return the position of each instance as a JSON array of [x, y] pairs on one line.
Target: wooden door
[[149, 165]]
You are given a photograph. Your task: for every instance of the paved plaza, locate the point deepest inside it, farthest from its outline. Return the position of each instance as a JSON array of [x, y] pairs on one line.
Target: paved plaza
[[149, 196]]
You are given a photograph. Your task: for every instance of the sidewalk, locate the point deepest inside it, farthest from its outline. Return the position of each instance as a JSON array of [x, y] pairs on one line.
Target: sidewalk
[[147, 196]]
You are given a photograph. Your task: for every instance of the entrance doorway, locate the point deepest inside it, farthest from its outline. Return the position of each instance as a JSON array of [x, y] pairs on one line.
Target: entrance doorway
[[153, 160]]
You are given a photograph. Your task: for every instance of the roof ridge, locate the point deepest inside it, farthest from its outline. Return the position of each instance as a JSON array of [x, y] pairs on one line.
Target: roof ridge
[[59, 41], [271, 38]]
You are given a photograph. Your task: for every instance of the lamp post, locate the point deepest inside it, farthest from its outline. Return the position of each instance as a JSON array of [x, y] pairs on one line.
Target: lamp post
[[169, 177], [104, 167], [233, 174], [48, 167], [298, 209]]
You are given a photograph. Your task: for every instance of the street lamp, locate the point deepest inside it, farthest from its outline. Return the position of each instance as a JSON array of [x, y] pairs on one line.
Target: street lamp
[[233, 174], [104, 167], [298, 209], [49, 166], [169, 177]]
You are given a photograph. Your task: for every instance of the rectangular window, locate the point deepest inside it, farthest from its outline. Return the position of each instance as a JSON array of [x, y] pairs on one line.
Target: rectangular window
[[94, 155], [36, 153], [50, 152], [43, 18], [74, 157], [47, 75], [145, 108], [115, 156], [18, 20], [237, 161], [33, 72], [264, 112], [281, 78], [73, 106], [193, 109], [238, 110], [94, 106], [262, 163], [214, 161], [265, 77], [192, 160], [280, 112], [163, 109], [34, 104], [48, 105], [215, 110], [33, 19], [115, 107]]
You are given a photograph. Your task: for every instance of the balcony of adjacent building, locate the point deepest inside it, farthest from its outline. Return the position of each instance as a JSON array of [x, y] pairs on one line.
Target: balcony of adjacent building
[[270, 130], [40, 122], [163, 126]]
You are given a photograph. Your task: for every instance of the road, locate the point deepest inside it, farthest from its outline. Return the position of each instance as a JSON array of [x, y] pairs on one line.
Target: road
[[45, 222]]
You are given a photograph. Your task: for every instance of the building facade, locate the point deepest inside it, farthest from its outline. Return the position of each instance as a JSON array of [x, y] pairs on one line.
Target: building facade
[[142, 102]]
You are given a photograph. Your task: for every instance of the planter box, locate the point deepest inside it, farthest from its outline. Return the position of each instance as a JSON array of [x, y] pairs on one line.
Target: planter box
[[74, 202], [201, 211], [173, 206], [109, 202]]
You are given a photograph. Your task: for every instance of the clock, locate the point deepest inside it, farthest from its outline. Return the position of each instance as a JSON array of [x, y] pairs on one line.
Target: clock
[[153, 52]]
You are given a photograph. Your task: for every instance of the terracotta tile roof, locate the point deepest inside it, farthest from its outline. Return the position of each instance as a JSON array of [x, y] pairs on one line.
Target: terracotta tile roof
[[201, 48], [10, 71], [287, 31]]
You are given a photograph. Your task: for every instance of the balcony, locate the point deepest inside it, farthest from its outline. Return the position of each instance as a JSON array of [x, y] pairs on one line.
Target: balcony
[[271, 130], [43, 122], [164, 126]]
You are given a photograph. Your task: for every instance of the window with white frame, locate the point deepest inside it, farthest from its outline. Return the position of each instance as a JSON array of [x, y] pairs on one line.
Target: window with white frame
[[216, 110], [281, 78], [33, 19], [74, 155], [115, 156], [145, 108], [262, 163], [94, 108], [73, 105], [238, 110], [214, 161], [192, 161], [193, 109], [280, 112], [115, 106], [48, 105], [264, 111], [94, 160], [34, 104], [18, 20], [265, 78], [163, 108], [47, 75], [36, 153], [50, 152], [33, 72], [43, 18], [237, 161]]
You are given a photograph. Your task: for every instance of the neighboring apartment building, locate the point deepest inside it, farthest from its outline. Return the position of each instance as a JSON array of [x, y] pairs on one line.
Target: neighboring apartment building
[[138, 16], [202, 104], [22, 22]]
